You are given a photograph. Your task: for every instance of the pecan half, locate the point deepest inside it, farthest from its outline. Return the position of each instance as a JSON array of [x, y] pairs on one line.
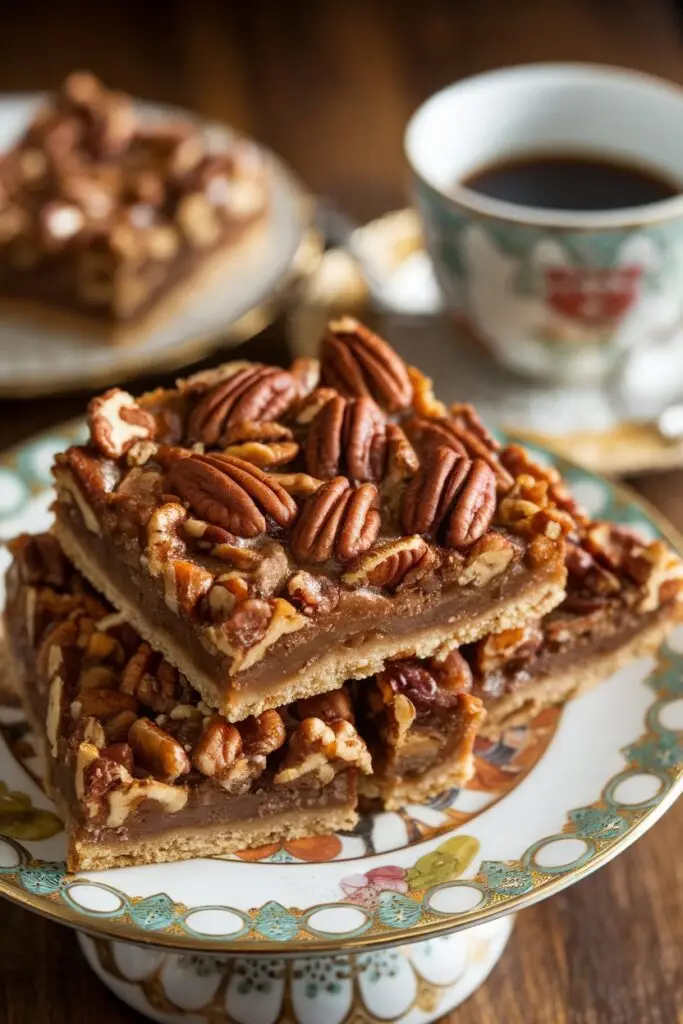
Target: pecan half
[[466, 416], [449, 489], [465, 437], [359, 363], [157, 751], [117, 422], [392, 563], [338, 521], [347, 436], [234, 755], [254, 393], [474, 507], [231, 493]]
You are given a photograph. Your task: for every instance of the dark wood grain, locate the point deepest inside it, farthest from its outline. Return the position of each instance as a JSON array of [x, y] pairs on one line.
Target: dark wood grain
[[330, 86]]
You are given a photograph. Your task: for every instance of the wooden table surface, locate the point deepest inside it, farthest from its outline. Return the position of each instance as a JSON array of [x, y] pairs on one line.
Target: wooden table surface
[[330, 86]]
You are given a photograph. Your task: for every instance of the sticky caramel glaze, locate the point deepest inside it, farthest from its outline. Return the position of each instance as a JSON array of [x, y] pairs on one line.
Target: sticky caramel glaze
[[327, 651]]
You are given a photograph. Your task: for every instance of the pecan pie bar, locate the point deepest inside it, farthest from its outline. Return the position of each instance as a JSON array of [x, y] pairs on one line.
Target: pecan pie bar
[[623, 596], [105, 216], [277, 532], [140, 768], [420, 718]]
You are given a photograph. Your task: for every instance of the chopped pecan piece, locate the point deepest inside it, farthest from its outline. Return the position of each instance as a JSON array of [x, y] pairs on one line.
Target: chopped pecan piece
[[251, 394], [338, 521], [311, 405], [157, 751], [486, 559], [326, 706], [185, 584], [449, 489], [313, 594], [392, 563], [306, 372], [401, 465], [231, 493], [163, 536], [316, 748], [235, 755], [424, 402], [248, 623], [518, 462], [511, 647], [298, 485], [117, 422], [358, 363], [275, 453], [151, 679], [347, 436], [40, 560]]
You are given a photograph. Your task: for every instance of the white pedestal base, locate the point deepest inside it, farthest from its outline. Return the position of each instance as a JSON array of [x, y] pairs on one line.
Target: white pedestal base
[[411, 984]]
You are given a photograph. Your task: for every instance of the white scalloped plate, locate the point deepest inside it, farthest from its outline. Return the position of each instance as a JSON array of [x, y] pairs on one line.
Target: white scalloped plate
[[37, 357], [548, 804]]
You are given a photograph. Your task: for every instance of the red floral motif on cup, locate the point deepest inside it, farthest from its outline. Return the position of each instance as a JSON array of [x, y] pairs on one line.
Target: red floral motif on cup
[[596, 297]]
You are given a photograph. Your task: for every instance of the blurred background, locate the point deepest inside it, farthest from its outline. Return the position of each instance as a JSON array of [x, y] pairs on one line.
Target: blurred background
[[330, 87]]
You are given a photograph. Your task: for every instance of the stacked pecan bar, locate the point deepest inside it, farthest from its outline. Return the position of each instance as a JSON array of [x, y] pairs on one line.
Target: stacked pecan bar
[[105, 216], [277, 532], [140, 768], [321, 578]]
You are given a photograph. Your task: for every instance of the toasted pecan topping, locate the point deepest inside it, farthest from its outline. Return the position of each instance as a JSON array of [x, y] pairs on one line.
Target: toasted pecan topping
[[313, 594], [448, 489], [511, 646], [326, 706], [157, 751], [358, 363], [40, 560], [117, 422], [347, 436], [252, 394], [231, 493], [338, 521], [405, 560], [465, 435], [316, 749]]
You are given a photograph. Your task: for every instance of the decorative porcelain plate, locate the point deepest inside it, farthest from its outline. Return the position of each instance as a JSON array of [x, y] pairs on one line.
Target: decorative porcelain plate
[[37, 358], [548, 804]]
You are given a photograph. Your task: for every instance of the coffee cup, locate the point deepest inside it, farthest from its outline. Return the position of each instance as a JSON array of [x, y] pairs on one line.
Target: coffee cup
[[556, 293]]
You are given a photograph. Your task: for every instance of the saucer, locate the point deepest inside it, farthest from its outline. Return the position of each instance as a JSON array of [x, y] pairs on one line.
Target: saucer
[[241, 294], [548, 804]]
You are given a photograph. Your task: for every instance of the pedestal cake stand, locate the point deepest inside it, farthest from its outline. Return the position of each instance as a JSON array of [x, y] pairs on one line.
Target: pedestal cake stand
[[398, 921]]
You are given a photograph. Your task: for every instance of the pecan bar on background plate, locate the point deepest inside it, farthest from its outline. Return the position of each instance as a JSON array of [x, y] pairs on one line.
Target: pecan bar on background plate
[[140, 769], [275, 532], [107, 217]]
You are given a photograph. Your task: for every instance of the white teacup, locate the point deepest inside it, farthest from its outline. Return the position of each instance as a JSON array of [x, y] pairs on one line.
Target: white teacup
[[553, 293]]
